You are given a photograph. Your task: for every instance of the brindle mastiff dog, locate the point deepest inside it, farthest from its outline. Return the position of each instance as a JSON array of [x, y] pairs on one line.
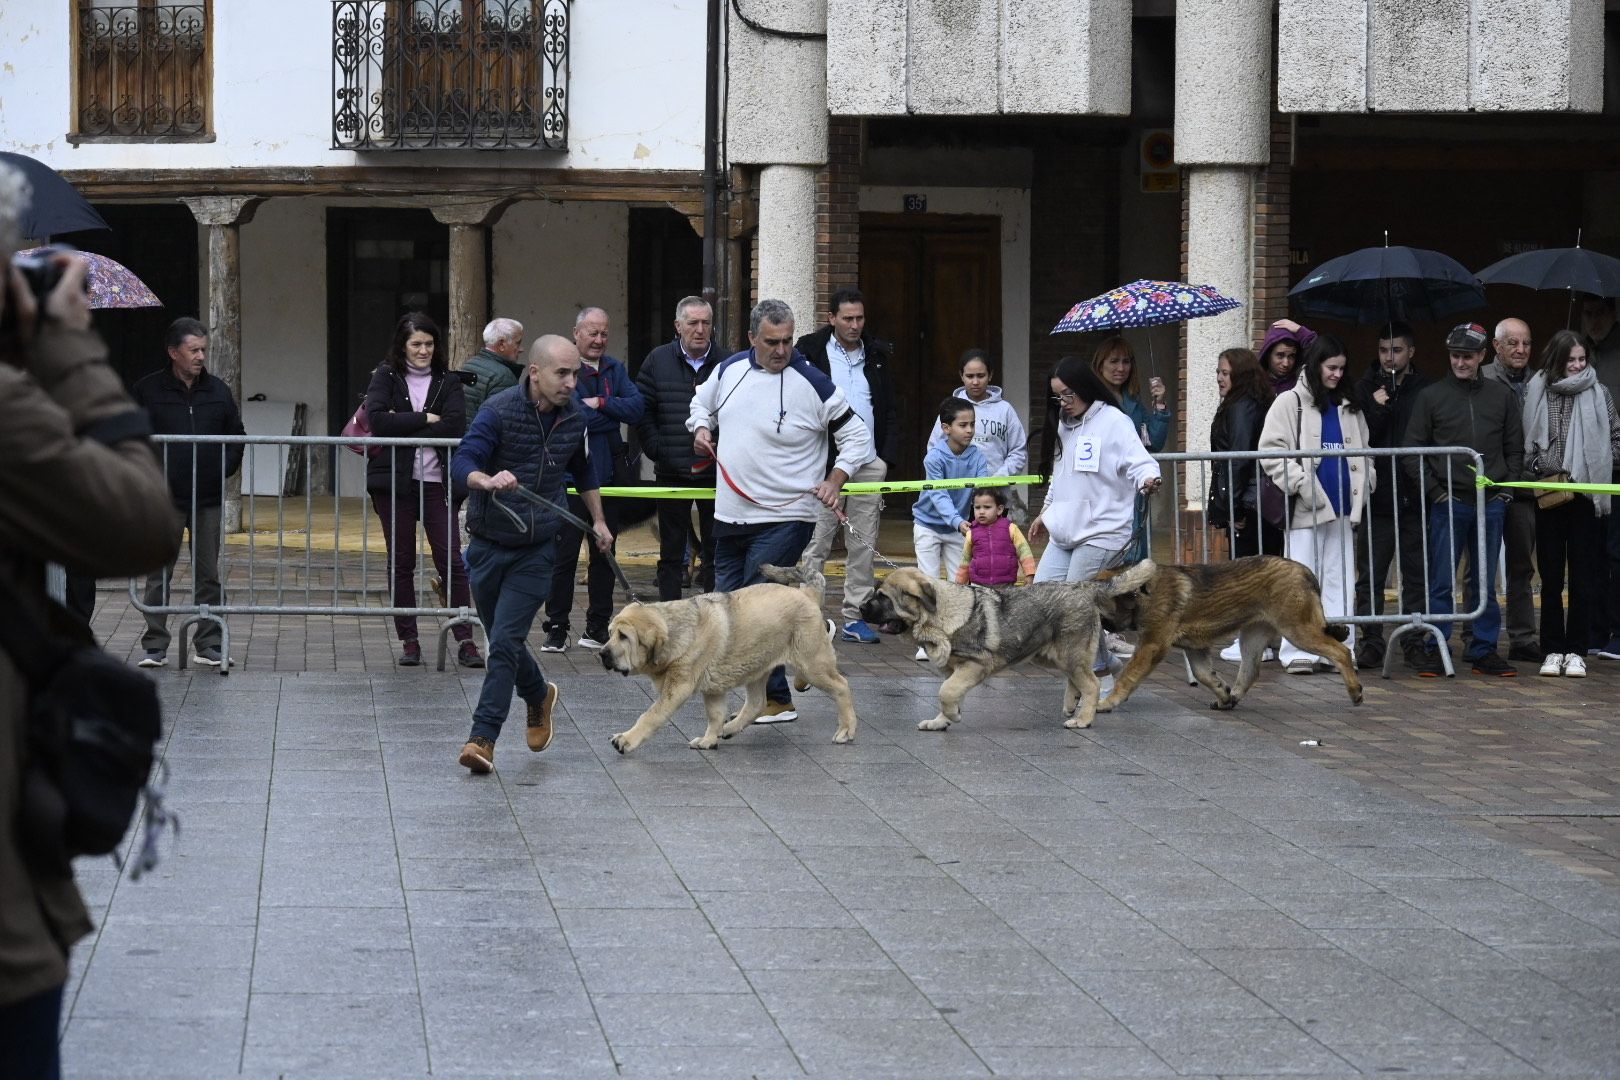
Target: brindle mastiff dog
[[716, 642], [972, 632], [1198, 607]]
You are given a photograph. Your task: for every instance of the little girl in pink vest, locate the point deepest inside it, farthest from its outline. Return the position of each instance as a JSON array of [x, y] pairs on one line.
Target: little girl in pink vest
[[995, 552]]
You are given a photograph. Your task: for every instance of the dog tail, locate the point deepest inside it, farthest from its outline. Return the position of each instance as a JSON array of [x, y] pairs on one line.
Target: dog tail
[[1130, 579], [1337, 631], [810, 582]]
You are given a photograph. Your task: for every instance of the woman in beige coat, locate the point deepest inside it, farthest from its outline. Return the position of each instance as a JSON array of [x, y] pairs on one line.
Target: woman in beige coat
[[1325, 495]]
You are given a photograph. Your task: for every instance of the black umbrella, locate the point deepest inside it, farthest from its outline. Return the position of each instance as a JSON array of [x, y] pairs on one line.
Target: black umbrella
[[57, 206], [1377, 285], [1558, 268]]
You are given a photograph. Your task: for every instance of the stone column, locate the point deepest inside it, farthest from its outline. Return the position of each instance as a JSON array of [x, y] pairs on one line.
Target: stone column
[[469, 286], [222, 217], [1222, 131], [787, 240]]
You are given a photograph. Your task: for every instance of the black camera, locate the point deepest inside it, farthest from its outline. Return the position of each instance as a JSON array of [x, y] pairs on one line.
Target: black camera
[[40, 269]]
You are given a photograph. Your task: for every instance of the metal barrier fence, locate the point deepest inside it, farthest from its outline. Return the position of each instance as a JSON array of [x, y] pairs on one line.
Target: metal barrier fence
[[260, 572], [255, 575], [1190, 478]]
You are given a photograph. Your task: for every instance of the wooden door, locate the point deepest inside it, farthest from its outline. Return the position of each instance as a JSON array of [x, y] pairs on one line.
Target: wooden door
[[933, 287]]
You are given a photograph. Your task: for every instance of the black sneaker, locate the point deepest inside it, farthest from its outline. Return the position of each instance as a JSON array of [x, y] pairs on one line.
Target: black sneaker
[[1369, 656], [1492, 664], [1530, 654], [1427, 664], [556, 639]]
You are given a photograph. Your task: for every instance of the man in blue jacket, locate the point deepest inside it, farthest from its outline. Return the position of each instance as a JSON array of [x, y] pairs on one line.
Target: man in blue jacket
[[606, 398], [184, 399], [532, 435]]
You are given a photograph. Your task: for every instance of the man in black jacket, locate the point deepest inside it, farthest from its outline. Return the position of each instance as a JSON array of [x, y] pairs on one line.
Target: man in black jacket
[[183, 399], [858, 364], [1386, 394], [667, 379], [1463, 409]]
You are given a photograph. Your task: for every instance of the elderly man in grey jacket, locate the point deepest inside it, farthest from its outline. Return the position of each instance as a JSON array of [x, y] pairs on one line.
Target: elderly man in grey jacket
[[1513, 347]]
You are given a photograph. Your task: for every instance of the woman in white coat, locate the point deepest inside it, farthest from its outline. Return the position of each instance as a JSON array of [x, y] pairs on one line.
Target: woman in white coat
[[1325, 496]]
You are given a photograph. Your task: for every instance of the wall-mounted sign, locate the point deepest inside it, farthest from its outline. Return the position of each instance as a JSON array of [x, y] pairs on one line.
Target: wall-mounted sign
[[1157, 165], [914, 204]]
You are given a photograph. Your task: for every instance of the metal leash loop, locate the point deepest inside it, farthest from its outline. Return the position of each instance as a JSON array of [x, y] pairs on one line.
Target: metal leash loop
[[578, 523]]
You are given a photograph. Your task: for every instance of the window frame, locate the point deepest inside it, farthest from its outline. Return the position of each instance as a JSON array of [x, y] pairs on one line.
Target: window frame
[[78, 9]]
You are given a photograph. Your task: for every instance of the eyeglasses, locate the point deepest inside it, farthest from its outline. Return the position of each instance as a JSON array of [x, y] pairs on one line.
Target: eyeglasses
[[1068, 397]]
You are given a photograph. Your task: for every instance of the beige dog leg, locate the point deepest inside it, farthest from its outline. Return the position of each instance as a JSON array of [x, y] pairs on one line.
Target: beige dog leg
[[715, 706], [820, 669], [753, 705], [1088, 685], [951, 693], [656, 716]]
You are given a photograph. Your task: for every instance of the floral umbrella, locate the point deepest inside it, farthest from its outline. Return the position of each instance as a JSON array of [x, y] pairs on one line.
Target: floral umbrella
[[111, 284], [1144, 303]]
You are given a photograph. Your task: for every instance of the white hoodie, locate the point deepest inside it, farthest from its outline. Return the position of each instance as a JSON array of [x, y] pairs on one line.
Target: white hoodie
[[1097, 507], [997, 432]]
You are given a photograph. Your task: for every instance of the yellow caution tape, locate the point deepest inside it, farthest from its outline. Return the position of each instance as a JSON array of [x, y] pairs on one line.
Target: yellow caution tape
[[1550, 485]]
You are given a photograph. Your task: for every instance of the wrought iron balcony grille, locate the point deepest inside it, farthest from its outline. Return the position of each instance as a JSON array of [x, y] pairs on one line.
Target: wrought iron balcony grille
[[450, 74], [143, 70]]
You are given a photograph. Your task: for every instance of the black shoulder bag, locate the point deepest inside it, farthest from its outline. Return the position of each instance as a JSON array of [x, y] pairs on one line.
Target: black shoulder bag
[[92, 727]]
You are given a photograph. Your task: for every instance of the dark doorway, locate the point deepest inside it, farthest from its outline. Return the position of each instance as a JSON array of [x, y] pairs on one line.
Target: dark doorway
[[158, 242], [380, 265], [933, 287], [666, 264]]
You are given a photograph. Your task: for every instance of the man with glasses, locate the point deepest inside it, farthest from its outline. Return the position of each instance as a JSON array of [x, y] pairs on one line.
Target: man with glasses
[[764, 416]]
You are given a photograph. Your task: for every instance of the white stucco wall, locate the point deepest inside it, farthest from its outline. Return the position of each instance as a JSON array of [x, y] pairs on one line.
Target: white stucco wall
[[635, 91], [1011, 205]]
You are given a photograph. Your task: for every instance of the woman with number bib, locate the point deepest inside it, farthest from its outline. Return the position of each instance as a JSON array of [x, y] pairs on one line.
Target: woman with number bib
[[1325, 495]]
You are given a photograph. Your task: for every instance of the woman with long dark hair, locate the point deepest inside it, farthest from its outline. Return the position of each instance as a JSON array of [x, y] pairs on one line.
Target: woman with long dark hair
[[1234, 495], [1571, 432], [414, 394], [1095, 464], [1325, 495], [1115, 364]]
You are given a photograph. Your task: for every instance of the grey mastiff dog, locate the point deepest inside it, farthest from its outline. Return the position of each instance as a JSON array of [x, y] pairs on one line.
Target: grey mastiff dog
[[972, 632]]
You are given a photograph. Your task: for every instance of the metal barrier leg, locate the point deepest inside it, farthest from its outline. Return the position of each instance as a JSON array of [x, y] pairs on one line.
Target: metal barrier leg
[[1192, 680]]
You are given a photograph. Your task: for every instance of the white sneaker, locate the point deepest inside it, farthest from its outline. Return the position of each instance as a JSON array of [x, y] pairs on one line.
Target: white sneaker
[[1300, 666], [1574, 667], [1119, 646], [922, 653], [777, 713], [588, 642], [1554, 664], [1233, 653]]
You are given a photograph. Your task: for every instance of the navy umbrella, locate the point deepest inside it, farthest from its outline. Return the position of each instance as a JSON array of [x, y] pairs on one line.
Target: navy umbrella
[[1378, 285], [57, 206], [1558, 268]]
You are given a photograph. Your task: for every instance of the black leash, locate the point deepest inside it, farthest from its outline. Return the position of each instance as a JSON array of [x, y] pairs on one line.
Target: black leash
[[572, 519]]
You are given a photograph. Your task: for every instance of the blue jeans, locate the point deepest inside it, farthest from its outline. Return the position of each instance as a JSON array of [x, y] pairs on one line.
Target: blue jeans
[[739, 552], [1449, 536], [508, 586]]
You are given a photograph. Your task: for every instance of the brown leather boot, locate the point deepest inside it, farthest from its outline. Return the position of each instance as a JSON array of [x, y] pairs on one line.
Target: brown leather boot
[[540, 726], [478, 755]]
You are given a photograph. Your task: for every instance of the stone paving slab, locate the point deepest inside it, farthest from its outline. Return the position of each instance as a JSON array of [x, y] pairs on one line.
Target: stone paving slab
[[1171, 893]]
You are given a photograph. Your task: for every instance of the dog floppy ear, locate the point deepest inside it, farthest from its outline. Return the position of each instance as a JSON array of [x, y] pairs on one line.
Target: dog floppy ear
[[928, 596], [653, 636]]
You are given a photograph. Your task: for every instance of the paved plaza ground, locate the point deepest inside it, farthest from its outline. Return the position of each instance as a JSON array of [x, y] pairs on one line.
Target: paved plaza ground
[[1431, 891]]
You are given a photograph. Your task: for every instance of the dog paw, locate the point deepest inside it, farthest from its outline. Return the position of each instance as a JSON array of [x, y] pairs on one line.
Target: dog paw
[[1107, 705], [621, 742], [842, 736], [1223, 704], [703, 742], [1355, 699], [938, 723], [1075, 723]]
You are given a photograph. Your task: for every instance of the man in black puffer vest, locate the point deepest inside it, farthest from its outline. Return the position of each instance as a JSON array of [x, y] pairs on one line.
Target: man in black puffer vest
[[668, 378], [531, 435]]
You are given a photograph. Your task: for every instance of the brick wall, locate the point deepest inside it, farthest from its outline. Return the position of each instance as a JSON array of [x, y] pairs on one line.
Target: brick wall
[[1273, 198], [838, 212]]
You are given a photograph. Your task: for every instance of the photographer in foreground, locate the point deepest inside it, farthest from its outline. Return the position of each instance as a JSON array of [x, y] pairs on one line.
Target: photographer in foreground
[[79, 485]]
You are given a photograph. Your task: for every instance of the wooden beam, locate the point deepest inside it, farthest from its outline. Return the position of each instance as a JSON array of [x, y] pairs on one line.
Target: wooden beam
[[385, 182]]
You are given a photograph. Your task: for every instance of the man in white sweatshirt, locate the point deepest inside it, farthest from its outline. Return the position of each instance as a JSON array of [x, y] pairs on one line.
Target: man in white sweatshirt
[[774, 411]]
